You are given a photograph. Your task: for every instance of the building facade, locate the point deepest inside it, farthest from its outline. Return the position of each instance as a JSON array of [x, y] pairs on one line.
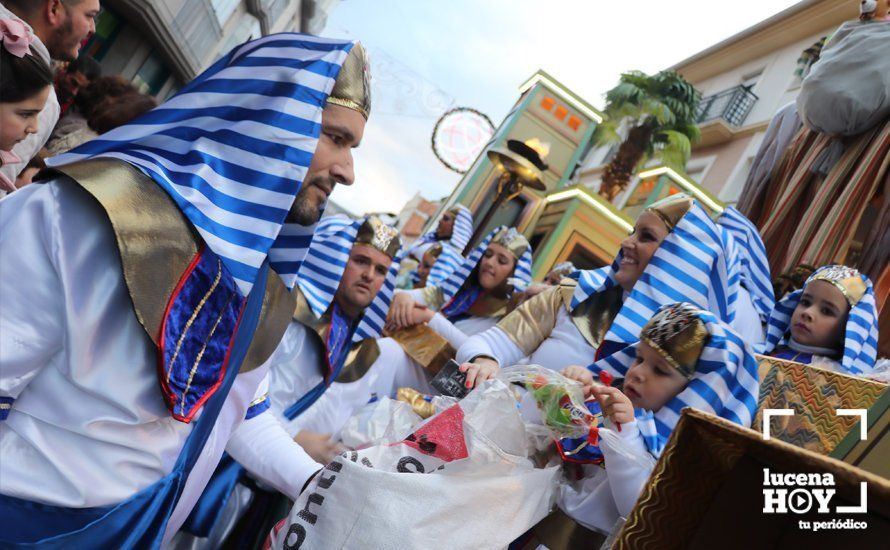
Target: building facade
[[162, 44]]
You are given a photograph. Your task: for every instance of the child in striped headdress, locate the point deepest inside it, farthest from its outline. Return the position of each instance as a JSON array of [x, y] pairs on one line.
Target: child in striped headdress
[[831, 322], [685, 357]]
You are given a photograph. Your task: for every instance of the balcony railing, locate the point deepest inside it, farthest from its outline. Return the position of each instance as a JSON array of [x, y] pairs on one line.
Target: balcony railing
[[732, 105]]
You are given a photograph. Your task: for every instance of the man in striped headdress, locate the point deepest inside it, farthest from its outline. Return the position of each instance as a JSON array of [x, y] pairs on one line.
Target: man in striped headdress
[[149, 287], [343, 291]]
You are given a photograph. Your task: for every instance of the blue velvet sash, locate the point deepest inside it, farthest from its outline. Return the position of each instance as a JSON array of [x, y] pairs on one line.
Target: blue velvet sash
[[141, 520], [789, 354]]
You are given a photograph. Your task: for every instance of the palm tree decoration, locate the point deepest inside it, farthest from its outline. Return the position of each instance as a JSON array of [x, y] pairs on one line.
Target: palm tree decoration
[[660, 113]]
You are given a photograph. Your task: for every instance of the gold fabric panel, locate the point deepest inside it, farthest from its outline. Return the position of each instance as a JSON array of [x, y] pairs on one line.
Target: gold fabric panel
[[419, 405], [352, 88], [532, 322], [278, 307], [359, 360], [425, 346], [156, 242], [594, 316], [814, 394], [156, 245], [490, 306], [706, 492]]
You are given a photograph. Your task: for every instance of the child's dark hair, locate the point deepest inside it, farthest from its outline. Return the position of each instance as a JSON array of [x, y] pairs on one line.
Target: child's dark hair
[[22, 77]]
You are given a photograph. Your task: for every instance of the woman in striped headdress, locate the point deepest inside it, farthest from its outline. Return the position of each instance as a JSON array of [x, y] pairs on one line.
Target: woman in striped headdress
[[685, 357], [149, 287], [831, 322], [676, 253]]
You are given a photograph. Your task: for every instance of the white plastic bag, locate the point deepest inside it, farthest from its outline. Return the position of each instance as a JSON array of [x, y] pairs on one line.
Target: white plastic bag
[[460, 480], [383, 421]]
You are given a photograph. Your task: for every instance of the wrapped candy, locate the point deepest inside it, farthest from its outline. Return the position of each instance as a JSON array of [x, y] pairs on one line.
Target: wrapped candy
[[420, 403]]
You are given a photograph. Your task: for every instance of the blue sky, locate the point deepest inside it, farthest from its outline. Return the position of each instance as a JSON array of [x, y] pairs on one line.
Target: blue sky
[[428, 56]]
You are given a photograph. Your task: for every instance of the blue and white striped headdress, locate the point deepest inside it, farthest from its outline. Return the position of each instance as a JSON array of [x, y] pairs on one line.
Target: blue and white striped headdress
[[453, 249], [522, 273], [233, 146], [725, 383], [751, 252], [861, 335], [322, 269], [691, 265]]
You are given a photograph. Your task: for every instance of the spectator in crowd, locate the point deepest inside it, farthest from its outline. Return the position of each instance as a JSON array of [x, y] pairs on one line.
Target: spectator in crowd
[[25, 83], [74, 78], [59, 27], [74, 128]]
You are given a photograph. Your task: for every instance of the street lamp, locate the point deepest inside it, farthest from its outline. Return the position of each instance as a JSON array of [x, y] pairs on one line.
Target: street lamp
[[520, 165]]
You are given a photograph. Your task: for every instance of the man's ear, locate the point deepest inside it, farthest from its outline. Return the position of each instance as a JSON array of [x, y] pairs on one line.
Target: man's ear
[[54, 13]]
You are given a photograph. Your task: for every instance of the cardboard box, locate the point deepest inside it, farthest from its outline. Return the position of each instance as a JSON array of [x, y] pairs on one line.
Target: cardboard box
[[815, 395], [707, 491]]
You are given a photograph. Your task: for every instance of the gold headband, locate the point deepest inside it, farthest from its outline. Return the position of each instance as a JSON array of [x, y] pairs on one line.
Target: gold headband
[[380, 236], [671, 209], [352, 88], [512, 240], [679, 335], [846, 279], [435, 250]]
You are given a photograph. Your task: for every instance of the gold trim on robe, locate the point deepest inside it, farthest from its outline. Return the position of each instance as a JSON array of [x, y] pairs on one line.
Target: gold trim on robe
[[359, 358], [425, 346], [156, 245]]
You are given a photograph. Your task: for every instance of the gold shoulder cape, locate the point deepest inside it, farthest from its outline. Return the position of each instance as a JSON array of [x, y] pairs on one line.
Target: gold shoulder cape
[[156, 244], [361, 355], [532, 322]]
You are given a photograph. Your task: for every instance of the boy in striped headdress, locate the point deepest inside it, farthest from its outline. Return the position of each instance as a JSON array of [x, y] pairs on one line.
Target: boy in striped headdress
[[675, 253], [685, 357], [831, 322], [149, 287]]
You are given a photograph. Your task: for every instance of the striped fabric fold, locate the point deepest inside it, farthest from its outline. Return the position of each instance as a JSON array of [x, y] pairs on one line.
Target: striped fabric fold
[[322, 268], [751, 253], [860, 336], [725, 383], [692, 265], [233, 147], [453, 249]]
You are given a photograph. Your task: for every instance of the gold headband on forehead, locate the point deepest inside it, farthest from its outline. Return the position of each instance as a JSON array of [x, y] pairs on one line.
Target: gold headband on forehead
[[671, 209], [435, 250], [846, 279], [679, 335], [352, 88], [377, 234], [512, 240]]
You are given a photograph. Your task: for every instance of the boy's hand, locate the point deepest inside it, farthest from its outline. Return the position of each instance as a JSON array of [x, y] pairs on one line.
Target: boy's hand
[[615, 405], [581, 375]]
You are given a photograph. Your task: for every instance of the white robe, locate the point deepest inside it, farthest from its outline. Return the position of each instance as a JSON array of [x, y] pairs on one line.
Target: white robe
[[89, 426], [603, 495]]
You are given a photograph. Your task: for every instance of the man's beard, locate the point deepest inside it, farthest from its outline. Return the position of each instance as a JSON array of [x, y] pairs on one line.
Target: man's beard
[[57, 47], [303, 212]]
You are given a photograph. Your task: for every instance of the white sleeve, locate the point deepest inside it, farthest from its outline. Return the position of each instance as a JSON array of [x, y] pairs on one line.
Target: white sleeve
[[261, 445], [32, 313], [628, 464], [493, 343], [747, 321], [447, 330]]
